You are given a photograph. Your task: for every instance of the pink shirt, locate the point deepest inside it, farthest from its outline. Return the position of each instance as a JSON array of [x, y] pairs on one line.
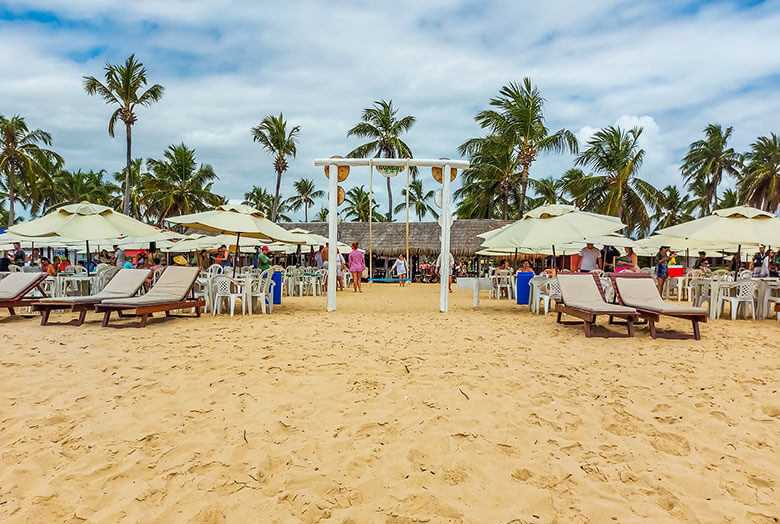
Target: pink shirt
[[356, 263]]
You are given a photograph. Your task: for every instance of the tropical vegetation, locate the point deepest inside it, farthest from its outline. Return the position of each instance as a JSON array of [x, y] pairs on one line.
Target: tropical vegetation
[[276, 138]]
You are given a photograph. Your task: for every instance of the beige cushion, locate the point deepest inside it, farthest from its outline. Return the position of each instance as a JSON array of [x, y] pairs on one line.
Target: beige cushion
[[643, 294], [125, 283], [580, 291], [172, 286], [17, 283]]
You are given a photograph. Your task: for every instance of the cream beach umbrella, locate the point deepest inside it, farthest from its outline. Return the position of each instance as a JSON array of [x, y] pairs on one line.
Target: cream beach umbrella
[[551, 226], [237, 220], [741, 225], [85, 222]]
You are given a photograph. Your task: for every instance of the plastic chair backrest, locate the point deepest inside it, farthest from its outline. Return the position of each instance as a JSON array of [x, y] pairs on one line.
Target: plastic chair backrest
[[13, 268], [214, 269], [223, 285], [745, 288], [555, 286]]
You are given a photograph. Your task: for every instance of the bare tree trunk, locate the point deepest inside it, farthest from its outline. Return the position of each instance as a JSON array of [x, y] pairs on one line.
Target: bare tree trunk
[[275, 210], [523, 189], [11, 195], [126, 199]]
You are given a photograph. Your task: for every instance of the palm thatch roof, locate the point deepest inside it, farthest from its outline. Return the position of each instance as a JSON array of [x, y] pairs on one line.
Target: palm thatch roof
[[389, 238]]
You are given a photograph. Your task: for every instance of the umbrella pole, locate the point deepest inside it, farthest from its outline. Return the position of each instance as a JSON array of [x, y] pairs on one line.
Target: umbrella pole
[[238, 250], [87, 262], [555, 260], [739, 261]]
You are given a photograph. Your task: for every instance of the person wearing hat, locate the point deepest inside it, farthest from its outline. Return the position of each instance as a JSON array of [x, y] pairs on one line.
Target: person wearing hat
[[180, 261], [263, 260]]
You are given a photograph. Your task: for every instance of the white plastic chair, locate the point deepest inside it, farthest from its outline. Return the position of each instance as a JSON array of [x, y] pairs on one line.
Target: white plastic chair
[[260, 290], [13, 268], [504, 281], [224, 288], [214, 270], [552, 292], [745, 289]]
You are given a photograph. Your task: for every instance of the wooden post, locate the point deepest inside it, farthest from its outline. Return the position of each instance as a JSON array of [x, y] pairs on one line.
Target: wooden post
[[444, 267], [333, 187]]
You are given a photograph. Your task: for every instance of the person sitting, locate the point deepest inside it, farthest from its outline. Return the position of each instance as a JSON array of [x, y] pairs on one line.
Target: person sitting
[[629, 263], [759, 265], [5, 264], [526, 267], [54, 268], [701, 260]]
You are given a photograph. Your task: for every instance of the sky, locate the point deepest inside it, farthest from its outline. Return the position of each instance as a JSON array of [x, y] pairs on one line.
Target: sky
[[671, 67]]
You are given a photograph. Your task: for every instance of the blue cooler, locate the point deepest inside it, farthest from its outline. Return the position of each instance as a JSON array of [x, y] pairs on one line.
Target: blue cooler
[[277, 278], [523, 290]]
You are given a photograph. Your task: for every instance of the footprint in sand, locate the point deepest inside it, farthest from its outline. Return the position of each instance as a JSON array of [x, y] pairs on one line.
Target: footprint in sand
[[771, 411], [670, 443]]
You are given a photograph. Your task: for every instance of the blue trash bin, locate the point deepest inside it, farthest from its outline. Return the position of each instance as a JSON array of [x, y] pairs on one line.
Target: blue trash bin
[[523, 290], [277, 278]]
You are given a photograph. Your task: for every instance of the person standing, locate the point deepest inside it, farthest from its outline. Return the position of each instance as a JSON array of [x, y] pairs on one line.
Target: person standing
[[356, 266], [18, 255], [399, 269], [263, 260], [437, 265], [318, 258], [662, 266], [589, 259], [340, 268], [630, 262], [119, 256], [223, 256]]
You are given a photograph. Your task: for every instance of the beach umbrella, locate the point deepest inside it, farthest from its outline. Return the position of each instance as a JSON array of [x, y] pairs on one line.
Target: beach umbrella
[[236, 220], [84, 221], [741, 225], [553, 225]]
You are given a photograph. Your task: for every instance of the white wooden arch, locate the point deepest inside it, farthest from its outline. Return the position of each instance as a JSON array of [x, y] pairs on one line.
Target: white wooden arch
[[444, 164]]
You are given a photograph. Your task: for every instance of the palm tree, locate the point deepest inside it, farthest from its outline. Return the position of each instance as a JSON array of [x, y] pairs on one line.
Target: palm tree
[[673, 208], [322, 215], [138, 182], [305, 193], [380, 124], [72, 187], [548, 190], [492, 180], [760, 182], [177, 185], [275, 138], [262, 200], [730, 198], [23, 161], [358, 205], [123, 86], [517, 122], [707, 160], [418, 200], [617, 156]]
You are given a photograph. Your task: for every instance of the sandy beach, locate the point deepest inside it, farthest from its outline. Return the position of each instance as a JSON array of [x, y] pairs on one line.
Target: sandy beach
[[387, 411]]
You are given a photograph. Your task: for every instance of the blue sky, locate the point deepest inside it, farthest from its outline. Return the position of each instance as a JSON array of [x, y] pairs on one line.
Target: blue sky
[[670, 66]]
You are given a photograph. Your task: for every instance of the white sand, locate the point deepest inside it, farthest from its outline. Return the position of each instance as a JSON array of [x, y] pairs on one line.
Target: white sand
[[387, 411]]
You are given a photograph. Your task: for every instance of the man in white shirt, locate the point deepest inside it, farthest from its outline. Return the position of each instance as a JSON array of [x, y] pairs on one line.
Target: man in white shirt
[[590, 258], [452, 265]]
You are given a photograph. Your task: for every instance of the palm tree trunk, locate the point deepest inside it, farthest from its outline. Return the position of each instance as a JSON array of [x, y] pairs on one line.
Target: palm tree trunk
[[523, 188], [126, 199], [305, 212], [389, 201], [11, 195], [275, 210]]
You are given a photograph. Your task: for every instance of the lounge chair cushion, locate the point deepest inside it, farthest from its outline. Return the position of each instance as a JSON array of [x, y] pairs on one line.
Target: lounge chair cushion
[[643, 294], [173, 286], [125, 284], [16, 283], [580, 292]]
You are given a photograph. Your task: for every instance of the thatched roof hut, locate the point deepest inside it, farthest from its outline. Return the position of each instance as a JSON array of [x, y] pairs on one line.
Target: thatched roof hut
[[389, 238]]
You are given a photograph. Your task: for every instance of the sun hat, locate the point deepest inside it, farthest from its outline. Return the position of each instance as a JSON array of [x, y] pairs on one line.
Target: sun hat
[[264, 248], [180, 261]]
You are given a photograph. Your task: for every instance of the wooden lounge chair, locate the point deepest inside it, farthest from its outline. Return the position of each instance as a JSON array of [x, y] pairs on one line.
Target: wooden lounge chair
[[124, 284], [582, 297], [15, 287], [168, 294], [639, 291]]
